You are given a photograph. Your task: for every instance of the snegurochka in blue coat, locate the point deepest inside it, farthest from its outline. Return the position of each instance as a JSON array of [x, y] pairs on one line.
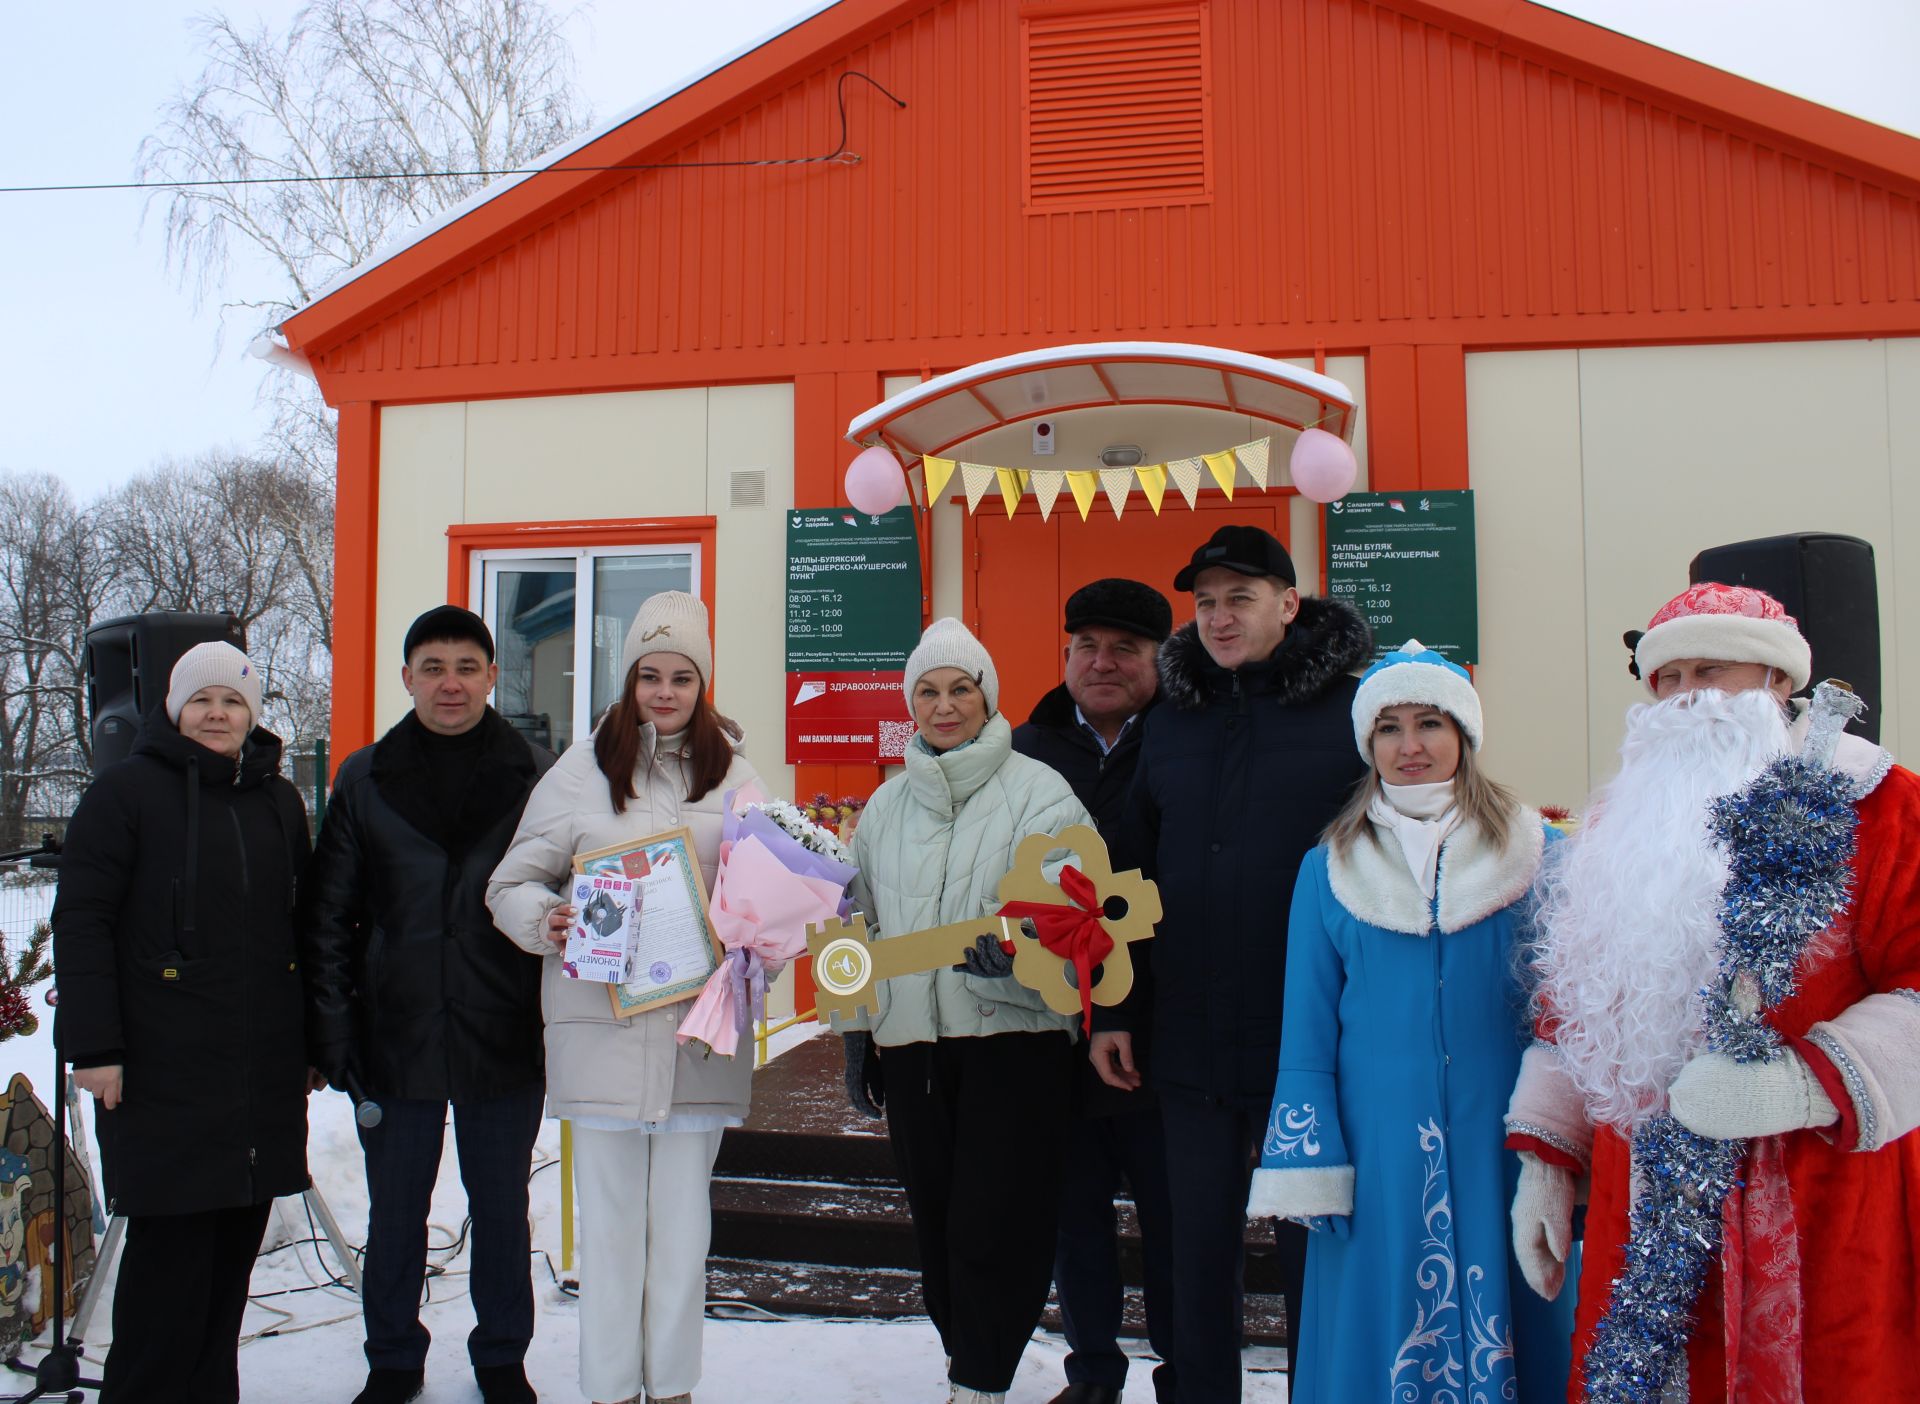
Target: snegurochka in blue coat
[[1401, 1038]]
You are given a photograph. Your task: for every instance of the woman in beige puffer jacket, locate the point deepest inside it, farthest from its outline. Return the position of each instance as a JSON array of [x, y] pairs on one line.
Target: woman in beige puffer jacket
[[647, 1112]]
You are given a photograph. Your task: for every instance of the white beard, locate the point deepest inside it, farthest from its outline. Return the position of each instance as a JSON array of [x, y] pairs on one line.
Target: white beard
[[1628, 927]]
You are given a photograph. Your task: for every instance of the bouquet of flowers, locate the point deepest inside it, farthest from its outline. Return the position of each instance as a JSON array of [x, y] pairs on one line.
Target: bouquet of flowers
[[779, 872]]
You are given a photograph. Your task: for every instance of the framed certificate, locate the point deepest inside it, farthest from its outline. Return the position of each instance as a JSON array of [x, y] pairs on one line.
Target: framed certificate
[[675, 949]]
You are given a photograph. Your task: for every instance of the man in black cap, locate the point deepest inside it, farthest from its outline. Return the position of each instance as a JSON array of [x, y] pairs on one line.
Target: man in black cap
[[1089, 730], [414, 998], [1247, 759]]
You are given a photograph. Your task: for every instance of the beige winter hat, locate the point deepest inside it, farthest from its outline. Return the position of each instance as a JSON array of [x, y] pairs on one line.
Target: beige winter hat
[[212, 665], [670, 622], [948, 643]]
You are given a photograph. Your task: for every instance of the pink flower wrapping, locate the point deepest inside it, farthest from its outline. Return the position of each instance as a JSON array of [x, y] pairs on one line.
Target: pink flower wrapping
[[760, 911]]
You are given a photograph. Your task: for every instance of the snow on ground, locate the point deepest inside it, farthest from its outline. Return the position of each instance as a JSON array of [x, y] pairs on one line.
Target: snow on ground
[[304, 1345]]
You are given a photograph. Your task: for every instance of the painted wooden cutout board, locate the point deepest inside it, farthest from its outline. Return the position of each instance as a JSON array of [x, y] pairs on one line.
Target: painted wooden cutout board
[[849, 963], [28, 1218]]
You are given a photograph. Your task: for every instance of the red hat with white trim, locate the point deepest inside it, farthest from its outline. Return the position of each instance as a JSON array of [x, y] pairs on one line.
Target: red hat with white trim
[[1727, 623]]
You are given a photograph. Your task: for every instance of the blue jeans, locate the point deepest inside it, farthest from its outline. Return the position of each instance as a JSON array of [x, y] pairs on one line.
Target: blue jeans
[[494, 1139]]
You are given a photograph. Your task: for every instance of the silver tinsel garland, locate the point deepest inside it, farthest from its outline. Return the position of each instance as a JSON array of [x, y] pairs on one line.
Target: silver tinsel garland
[[1790, 842]]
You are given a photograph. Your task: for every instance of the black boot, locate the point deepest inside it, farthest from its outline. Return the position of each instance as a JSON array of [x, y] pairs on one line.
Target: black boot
[[504, 1384], [1083, 1393], [392, 1387]]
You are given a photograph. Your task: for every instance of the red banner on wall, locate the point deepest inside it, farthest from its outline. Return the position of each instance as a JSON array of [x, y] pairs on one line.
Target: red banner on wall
[[847, 718]]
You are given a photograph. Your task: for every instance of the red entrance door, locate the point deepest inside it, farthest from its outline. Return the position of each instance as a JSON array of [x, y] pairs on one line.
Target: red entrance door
[[1022, 570]]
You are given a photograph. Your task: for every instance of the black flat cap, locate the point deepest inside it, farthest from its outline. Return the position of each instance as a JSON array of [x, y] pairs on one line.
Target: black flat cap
[[1121, 604], [1246, 549], [447, 622]]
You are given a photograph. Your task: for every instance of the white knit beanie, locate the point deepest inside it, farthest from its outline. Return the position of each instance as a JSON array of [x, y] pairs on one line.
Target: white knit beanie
[[949, 644], [212, 665], [1414, 674], [670, 622]]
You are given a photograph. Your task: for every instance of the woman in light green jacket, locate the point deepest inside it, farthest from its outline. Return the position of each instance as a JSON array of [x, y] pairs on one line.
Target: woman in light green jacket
[[972, 1068]]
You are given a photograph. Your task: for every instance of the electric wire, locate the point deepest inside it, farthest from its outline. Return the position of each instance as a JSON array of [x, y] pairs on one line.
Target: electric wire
[[839, 154]]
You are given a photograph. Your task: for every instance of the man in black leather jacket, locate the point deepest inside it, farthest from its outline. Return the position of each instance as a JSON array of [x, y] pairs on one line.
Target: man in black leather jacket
[[415, 999]]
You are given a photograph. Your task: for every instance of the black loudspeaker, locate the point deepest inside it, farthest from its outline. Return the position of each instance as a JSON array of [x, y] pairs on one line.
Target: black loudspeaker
[[1827, 583], [129, 661]]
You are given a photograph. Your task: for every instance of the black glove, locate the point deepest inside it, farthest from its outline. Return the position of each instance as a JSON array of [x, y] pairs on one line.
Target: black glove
[[336, 1063], [986, 961], [866, 1084]]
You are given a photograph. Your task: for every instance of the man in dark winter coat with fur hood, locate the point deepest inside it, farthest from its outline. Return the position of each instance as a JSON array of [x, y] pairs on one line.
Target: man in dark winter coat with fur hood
[[1245, 761], [414, 996]]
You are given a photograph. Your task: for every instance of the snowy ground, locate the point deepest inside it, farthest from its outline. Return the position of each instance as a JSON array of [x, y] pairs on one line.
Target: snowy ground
[[304, 1345]]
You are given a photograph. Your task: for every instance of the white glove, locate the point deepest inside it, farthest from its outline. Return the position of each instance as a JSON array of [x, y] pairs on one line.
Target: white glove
[[1543, 1223], [1723, 1100]]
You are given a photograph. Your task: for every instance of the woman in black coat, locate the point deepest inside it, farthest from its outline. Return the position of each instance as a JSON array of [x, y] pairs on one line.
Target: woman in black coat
[[180, 1008]]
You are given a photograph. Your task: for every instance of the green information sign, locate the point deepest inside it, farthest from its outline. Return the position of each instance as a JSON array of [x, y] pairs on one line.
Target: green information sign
[[853, 590], [1405, 560]]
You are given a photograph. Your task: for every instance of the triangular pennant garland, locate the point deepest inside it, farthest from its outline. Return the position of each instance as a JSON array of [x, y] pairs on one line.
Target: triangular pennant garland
[[1253, 458], [1083, 485], [1221, 466], [1116, 483], [1013, 482], [937, 471], [1153, 482], [977, 478], [1185, 473], [1047, 483]]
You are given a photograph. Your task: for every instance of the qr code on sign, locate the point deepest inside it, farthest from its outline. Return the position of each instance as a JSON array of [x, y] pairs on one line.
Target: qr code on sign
[[894, 736]]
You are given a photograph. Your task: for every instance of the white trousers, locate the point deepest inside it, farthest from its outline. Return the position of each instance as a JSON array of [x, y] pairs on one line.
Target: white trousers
[[645, 1222]]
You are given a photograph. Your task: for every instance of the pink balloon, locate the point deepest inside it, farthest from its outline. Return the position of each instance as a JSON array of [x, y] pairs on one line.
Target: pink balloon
[[875, 483], [1323, 466]]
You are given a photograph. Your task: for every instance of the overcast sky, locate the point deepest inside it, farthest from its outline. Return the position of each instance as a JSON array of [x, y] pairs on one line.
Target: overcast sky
[[109, 367]]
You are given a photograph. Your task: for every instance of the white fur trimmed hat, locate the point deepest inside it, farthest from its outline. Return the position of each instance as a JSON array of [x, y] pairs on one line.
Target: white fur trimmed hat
[[948, 643], [212, 665], [1729, 624], [670, 622], [1415, 675]]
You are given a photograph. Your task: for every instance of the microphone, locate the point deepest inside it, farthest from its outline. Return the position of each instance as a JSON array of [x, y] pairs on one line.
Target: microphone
[[366, 1111]]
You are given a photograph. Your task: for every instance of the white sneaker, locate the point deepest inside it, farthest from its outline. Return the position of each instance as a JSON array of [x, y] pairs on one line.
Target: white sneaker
[[963, 1395]]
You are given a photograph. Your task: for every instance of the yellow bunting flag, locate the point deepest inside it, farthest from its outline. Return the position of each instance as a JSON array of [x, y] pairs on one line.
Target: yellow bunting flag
[[1083, 485], [1185, 473], [1116, 483], [937, 470], [1012, 482], [1253, 458], [976, 477], [1047, 483], [1153, 482], [1221, 466]]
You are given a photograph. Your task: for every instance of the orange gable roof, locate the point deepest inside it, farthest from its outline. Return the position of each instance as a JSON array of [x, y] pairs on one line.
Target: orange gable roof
[[1476, 172]]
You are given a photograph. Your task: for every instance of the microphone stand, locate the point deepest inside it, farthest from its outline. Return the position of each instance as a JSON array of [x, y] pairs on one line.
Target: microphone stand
[[57, 1373]]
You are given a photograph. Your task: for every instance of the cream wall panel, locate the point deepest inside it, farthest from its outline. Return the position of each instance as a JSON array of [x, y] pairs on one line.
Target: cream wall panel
[[1900, 572], [422, 450], [751, 426], [581, 457], [1686, 447], [1523, 441]]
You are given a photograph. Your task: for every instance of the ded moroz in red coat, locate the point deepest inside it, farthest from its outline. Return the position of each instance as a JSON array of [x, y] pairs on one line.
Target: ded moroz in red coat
[[1854, 1187]]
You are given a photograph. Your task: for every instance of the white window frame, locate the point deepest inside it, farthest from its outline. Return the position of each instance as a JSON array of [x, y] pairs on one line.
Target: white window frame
[[583, 558]]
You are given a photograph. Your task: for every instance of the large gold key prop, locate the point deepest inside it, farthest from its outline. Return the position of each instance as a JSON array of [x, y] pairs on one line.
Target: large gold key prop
[[849, 963]]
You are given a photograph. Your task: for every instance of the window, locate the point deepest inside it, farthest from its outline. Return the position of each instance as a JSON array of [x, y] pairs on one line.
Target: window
[[559, 616]]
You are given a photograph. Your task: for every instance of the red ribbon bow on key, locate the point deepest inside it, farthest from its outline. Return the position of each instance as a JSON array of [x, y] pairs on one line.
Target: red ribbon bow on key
[[1071, 932]]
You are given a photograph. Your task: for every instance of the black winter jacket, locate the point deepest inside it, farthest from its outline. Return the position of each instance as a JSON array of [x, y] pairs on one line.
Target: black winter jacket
[[1239, 772], [408, 980], [1054, 736], [174, 955]]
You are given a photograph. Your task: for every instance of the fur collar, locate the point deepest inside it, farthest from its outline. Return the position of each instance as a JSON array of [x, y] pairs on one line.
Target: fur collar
[[1859, 759], [1054, 712], [1325, 642], [1372, 882], [503, 774]]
